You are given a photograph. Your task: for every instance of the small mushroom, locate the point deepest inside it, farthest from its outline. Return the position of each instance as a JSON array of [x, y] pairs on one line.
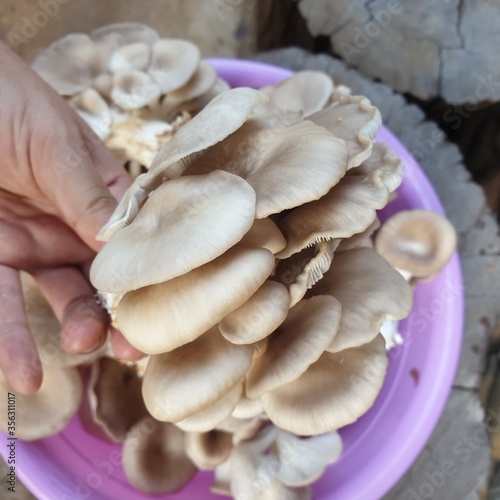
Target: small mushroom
[[243, 429], [247, 407], [418, 243], [370, 292], [307, 332], [184, 224], [46, 412], [264, 233], [133, 89], [208, 449], [134, 56], [94, 110], [160, 318], [259, 316], [333, 392], [154, 457], [184, 382], [114, 399]]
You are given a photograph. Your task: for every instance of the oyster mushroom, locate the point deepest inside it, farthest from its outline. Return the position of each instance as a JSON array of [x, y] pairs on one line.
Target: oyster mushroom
[[47, 411], [209, 449], [370, 292], [94, 110], [188, 380], [187, 221], [418, 243], [333, 392], [114, 399], [154, 457], [264, 233], [160, 318]]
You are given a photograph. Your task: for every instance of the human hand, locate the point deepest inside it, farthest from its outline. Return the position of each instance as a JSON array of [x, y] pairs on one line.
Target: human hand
[[58, 186]]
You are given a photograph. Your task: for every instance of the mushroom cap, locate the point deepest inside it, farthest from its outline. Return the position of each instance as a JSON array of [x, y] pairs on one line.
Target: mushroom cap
[[264, 233], [160, 318], [173, 63], [115, 398], [353, 119], [259, 316], [419, 242], [272, 162], [154, 457], [213, 415], [302, 461], [184, 224], [247, 407], [243, 429], [360, 240], [134, 56], [306, 92], [49, 410], [308, 330], [334, 392], [222, 116], [133, 89], [81, 63], [349, 208], [94, 110], [369, 290], [119, 34], [188, 380], [209, 449]]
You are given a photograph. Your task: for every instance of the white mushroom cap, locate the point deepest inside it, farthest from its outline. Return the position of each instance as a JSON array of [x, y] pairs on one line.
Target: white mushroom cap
[[49, 410], [184, 224], [183, 382], [173, 63], [133, 89], [160, 318], [419, 242], [259, 316], [133, 56], [207, 450], [154, 457], [334, 392], [370, 292], [94, 110], [307, 332], [272, 162]]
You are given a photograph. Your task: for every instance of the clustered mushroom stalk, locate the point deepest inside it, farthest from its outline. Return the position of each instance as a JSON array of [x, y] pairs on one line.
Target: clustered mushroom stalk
[[246, 260]]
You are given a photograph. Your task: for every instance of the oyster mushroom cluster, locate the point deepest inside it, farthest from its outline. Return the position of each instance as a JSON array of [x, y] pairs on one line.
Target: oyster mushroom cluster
[[132, 87], [246, 261]]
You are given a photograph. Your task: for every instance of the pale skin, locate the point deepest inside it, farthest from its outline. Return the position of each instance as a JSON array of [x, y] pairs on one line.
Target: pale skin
[[58, 186]]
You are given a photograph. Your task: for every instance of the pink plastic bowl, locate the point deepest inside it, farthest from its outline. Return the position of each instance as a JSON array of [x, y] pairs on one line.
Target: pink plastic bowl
[[379, 447]]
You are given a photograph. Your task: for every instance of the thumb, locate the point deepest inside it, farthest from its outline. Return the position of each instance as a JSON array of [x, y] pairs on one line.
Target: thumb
[[87, 184]]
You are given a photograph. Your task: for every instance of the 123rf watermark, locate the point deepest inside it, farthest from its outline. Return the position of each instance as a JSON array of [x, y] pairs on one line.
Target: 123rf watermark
[[11, 442]]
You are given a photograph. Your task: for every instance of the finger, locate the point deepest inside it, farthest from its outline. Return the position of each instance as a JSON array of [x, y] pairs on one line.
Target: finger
[[84, 324], [122, 348], [19, 360]]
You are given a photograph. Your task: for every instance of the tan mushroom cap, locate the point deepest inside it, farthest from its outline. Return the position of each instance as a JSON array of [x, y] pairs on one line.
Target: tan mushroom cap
[[160, 318], [114, 396], [49, 410], [134, 56], [307, 332], [304, 269], [70, 64], [334, 392], [264, 233], [353, 119], [94, 110], [188, 380], [133, 89], [360, 240], [184, 224], [125, 212], [173, 63], [222, 116], [369, 290], [383, 167], [154, 457], [259, 316], [207, 450], [243, 429], [272, 162], [119, 34], [306, 91], [349, 208], [419, 242], [247, 407], [213, 415], [46, 330], [303, 461]]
